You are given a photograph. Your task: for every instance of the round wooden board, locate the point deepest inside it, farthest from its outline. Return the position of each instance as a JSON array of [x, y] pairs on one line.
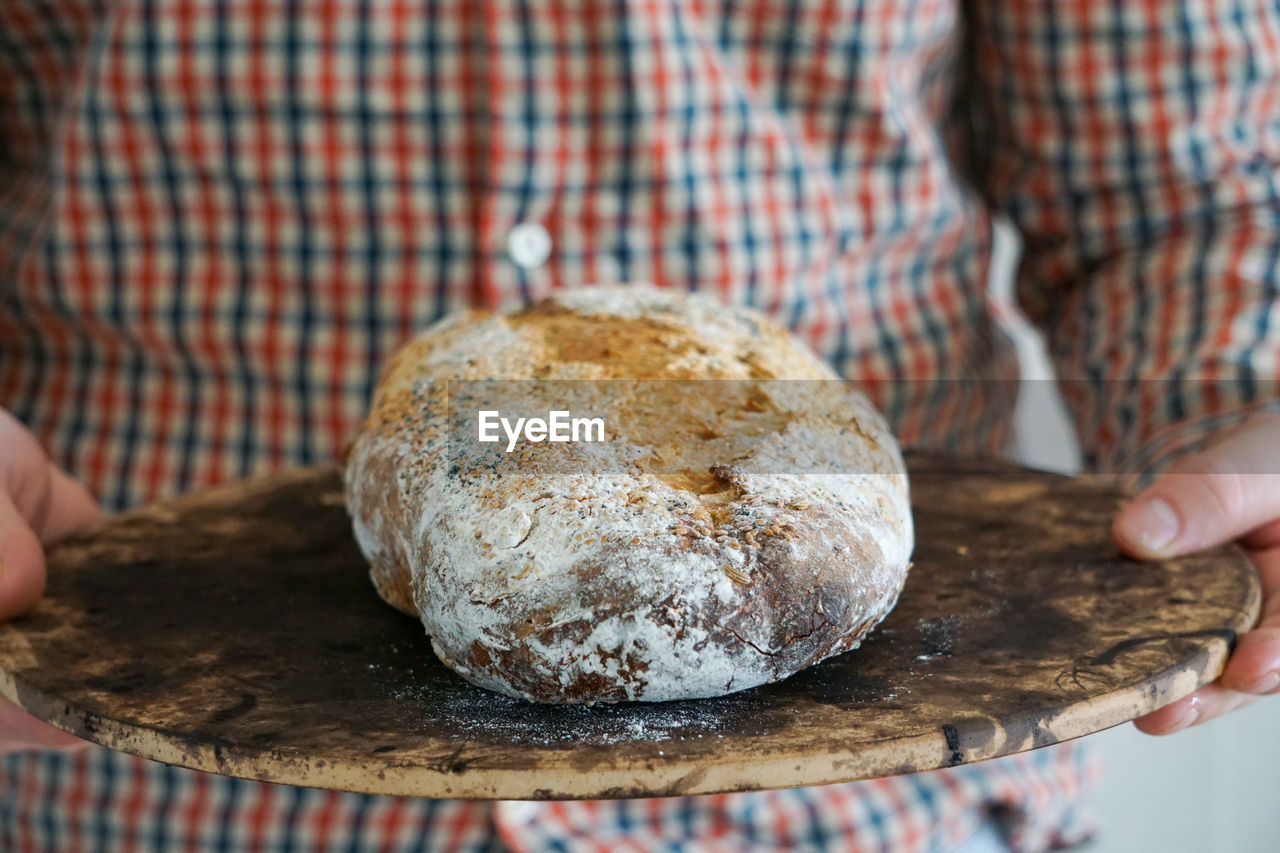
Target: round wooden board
[[236, 631]]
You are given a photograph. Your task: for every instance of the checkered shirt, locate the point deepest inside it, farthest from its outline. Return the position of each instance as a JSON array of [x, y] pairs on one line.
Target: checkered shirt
[[219, 217]]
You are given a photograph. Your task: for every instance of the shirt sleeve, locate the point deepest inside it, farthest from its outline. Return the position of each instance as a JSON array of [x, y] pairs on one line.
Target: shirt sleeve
[[1135, 144]]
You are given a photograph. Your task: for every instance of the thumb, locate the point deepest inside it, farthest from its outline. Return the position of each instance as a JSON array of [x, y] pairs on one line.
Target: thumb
[[1207, 498]]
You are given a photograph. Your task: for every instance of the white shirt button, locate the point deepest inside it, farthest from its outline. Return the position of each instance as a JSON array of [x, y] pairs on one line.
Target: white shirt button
[[529, 245]]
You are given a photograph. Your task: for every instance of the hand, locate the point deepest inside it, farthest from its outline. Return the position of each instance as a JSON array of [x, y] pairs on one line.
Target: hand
[[1231, 490], [38, 505]]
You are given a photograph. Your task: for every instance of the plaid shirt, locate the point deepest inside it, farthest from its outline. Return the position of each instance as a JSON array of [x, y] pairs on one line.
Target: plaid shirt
[[218, 218]]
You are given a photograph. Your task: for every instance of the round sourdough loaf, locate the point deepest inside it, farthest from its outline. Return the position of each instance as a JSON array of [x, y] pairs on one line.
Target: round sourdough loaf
[[724, 535]]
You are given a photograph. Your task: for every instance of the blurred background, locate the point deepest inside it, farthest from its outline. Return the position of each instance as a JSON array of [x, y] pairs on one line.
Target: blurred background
[[1211, 789]]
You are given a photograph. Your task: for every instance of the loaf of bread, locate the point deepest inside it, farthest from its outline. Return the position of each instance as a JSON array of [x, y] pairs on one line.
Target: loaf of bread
[[742, 519]]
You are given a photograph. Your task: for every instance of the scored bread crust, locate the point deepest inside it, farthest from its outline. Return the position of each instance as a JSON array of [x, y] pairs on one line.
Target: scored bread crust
[[702, 566]]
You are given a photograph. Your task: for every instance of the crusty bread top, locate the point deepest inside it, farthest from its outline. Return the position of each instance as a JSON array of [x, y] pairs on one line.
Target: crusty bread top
[[636, 332]]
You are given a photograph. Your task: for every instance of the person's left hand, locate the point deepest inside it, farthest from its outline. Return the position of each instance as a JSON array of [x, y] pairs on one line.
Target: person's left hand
[[1230, 490]]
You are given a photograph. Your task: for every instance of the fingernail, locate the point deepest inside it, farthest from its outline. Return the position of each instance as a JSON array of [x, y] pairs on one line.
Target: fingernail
[[1265, 684], [1186, 720], [1155, 523]]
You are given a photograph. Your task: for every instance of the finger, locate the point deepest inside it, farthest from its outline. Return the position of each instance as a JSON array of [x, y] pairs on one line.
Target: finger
[[1264, 538], [71, 507], [20, 730], [21, 562], [50, 502], [1207, 498], [1254, 666], [1212, 700]]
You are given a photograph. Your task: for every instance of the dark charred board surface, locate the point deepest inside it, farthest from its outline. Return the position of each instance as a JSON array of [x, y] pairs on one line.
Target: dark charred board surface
[[236, 631]]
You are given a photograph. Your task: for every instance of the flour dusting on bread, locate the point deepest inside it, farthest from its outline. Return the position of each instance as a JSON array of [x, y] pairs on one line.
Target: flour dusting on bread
[[695, 554]]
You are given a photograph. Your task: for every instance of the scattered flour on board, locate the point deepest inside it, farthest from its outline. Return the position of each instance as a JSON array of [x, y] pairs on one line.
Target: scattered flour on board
[[471, 713]]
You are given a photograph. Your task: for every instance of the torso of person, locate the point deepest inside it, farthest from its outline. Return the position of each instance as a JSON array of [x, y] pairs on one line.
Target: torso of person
[[218, 219]]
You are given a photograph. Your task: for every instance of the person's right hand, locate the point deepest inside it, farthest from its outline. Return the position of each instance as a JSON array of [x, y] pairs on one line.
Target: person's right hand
[[39, 504]]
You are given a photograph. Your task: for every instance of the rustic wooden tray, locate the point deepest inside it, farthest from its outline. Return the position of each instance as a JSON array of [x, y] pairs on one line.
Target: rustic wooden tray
[[236, 631]]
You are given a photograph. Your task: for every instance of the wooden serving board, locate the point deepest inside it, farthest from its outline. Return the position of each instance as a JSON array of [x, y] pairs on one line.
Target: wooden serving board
[[236, 631]]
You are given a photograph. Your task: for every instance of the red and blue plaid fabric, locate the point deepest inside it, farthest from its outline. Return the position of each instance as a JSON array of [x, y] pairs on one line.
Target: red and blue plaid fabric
[[218, 218], [95, 799]]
